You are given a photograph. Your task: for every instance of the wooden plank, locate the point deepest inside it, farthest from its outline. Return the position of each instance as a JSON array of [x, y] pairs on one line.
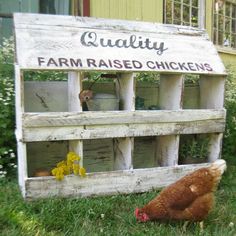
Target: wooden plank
[[144, 152], [23, 20], [170, 96], [123, 147], [57, 119], [171, 92], [212, 92], [121, 130], [45, 96], [215, 146], [21, 147], [43, 156], [123, 153], [98, 155], [77, 43], [106, 183], [212, 97], [125, 87], [74, 104]]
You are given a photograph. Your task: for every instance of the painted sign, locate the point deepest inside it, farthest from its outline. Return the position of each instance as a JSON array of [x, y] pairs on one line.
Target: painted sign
[[85, 47]]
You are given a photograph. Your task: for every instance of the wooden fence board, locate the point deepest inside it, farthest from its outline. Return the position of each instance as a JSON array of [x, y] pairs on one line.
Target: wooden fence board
[[106, 183]]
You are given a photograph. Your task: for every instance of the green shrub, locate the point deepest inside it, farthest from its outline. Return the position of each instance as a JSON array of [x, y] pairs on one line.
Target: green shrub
[[7, 107], [229, 143]]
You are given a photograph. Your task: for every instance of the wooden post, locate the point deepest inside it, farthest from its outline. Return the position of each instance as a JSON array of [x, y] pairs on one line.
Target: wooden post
[[21, 146], [170, 98], [74, 104], [123, 147], [212, 97]]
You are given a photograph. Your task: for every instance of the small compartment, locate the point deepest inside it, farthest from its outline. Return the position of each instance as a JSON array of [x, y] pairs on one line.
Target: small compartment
[[46, 96], [98, 155], [193, 148], [144, 155], [147, 85], [99, 93], [191, 96], [45, 91], [42, 157]]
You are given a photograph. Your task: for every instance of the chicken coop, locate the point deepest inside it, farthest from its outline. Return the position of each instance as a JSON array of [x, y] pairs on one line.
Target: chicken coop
[[51, 120]]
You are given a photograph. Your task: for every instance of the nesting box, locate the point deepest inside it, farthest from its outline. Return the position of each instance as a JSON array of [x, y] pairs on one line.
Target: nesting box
[[77, 45]]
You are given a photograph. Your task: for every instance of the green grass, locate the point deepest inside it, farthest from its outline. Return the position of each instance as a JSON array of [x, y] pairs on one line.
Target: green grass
[[113, 215]]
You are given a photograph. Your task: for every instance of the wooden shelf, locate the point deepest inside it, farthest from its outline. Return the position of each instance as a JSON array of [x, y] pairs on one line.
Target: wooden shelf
[[107, 183], [113, 124]]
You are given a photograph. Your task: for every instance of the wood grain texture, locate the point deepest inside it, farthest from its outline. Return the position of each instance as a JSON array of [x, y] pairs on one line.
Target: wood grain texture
[[64, 42], [170, 96], [212, 97], [74, 87], [56, 119], [107, 183], [66, 129]]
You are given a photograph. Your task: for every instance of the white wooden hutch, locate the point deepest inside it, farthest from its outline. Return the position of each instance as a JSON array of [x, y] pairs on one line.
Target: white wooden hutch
[[77, 45]]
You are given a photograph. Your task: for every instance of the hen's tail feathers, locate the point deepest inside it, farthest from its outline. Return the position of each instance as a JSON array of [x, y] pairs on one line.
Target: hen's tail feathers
[[219, 165], [217, 168]]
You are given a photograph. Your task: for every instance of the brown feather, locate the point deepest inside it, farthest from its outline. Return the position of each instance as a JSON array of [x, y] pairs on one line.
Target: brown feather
[[190, 198]]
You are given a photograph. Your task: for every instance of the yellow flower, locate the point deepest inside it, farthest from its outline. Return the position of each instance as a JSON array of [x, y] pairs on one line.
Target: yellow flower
[[58, 172], [82, 172], [61, 163], [76, 168], [67, 169], [59, 177], [68, 166], [72, 156]]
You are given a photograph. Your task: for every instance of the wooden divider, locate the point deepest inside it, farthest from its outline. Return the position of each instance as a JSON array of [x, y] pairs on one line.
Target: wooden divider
[[170, 98]]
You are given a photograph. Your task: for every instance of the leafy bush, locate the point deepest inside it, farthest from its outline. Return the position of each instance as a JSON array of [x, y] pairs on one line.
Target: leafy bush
[[229, 144], [7, 115], [193, 148]]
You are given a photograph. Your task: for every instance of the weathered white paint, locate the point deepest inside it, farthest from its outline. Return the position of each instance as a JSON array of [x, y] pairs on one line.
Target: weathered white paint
[[74, 104], [74, 88], [56, 119], [126, 90], [106, 183], [123, 153], [215, 146], [150, 127], [167, 150], [123, 147], [212, 92], [212, 97], [171, 92], [45, 96], [56, 43], [21, 147], [170, 97]]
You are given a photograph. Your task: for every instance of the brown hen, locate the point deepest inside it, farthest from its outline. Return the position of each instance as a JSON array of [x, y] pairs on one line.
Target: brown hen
[[190, 198]]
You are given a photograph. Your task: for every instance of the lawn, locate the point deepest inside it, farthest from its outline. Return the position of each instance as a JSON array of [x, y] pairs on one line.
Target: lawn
[[113, 215]]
